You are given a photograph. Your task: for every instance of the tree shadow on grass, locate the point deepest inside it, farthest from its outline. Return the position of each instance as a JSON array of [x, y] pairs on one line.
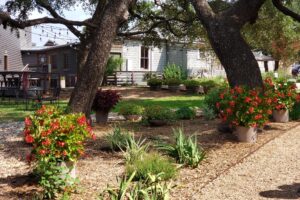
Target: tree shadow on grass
[[283, 192]]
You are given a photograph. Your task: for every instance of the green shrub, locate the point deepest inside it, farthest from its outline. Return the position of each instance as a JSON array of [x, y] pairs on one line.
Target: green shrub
[[209, 84], [185, 150], [154, 82], [172, 82], [154, 164], [185, 113], [295, 112], [119, 139], [159, 113], [212, 97], [208, 113], [150, 189], [112, 65], [172, 71], [131, 109], [191, 83]]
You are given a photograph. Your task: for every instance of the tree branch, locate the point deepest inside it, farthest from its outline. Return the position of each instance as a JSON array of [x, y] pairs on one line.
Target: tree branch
[[203, 10], [278, 4]]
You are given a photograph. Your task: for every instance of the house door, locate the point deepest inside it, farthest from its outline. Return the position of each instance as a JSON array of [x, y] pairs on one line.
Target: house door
[[5, 63]]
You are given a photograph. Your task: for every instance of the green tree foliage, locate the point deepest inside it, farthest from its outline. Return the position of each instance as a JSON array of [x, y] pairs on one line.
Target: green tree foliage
[[275, 34]]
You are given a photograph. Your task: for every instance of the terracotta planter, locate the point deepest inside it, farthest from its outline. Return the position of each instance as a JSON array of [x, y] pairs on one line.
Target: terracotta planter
[[133, 118], [173, 88], [101, 117], [156, 122], [246, 134], [68, 171], [155, 87], [281, 116]]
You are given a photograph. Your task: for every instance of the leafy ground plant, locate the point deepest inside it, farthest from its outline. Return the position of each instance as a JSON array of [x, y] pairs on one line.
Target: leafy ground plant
[[150, 189], [119, 139], [185, 150], [135, 150], [185, 113], [151, 163]]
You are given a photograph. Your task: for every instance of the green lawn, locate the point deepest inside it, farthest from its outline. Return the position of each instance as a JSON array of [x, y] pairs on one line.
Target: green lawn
[[9, 111], [169, 102], [13, 112]]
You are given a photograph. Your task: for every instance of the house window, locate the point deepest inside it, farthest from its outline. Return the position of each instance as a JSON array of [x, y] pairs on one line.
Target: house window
[[66, 62], [201, 54], [5, 63], [144, 57], [53, 61]]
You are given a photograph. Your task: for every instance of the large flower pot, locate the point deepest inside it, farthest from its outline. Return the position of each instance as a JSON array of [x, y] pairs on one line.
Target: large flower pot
[[102, 116], [246, 134], [281, 116], [133, 118], [68, 171], [156, 122], [173, 88]]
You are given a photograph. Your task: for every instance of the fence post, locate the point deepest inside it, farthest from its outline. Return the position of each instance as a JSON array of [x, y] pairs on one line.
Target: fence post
[[132, 82], [116, 79]]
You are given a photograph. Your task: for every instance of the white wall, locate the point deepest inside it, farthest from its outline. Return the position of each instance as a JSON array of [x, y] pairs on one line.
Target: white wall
[[10, 46]]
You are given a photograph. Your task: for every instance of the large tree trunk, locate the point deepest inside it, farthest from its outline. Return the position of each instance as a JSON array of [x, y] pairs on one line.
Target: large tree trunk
[[235, 55], [91, 75]]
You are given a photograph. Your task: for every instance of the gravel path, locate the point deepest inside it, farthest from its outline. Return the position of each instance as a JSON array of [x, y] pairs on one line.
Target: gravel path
[[272, 172]]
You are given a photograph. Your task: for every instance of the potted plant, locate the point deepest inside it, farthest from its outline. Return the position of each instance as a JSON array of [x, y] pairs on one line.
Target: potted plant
[[154, 83], [104, 101], [245, 110], [132, 112], [282, 96], [57, 141], [158, 115], [192, 86], [173, 84]]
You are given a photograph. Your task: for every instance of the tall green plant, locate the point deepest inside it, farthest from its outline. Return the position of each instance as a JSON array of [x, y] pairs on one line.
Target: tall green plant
[[172, 71], [185, 150]]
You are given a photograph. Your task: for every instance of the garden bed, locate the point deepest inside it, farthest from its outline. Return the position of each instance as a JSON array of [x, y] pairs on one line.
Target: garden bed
[[101, 167]]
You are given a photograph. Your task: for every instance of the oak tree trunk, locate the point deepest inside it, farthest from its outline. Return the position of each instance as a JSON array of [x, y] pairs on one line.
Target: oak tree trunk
[[234, 54], [91, 74]]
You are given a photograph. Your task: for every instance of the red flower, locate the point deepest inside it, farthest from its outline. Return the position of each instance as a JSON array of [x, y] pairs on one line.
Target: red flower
[[93, 136], [247, 100], [298, 98], [229, 111], [231, 103], [221, 96], [61, 144], [27, 121], [42, 152], [257, 117], [46, 142], [251, 110], [29, 139], [30, 157], [81, 120], [269, 112], [218, 105], [64, 153], [238, 89], [55, 125]]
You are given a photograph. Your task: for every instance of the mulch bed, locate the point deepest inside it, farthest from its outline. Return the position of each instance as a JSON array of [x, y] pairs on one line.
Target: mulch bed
[[101, 167]]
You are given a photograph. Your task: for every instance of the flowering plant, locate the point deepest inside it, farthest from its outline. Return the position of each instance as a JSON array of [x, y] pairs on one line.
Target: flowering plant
[[105, 100], [241, 106], [55, 136], [282, 94]]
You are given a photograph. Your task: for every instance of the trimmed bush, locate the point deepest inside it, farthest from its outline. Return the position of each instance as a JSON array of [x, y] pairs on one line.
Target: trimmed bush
[[172, 82], [154, 82], [131, 109], [172, 71], [154, 164], [159, 113], [185, 113], [191, 83]]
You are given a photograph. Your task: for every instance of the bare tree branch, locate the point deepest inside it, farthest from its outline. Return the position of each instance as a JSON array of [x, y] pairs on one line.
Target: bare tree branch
[[278, 4]]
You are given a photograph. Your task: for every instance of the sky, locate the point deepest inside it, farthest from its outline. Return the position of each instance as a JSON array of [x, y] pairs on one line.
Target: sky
[[55, 32]]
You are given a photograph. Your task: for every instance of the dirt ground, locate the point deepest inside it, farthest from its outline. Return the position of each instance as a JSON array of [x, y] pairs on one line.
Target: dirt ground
[[101, 167]]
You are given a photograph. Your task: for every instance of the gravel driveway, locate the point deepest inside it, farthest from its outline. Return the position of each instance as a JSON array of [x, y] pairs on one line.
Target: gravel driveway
[[272, 172]]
